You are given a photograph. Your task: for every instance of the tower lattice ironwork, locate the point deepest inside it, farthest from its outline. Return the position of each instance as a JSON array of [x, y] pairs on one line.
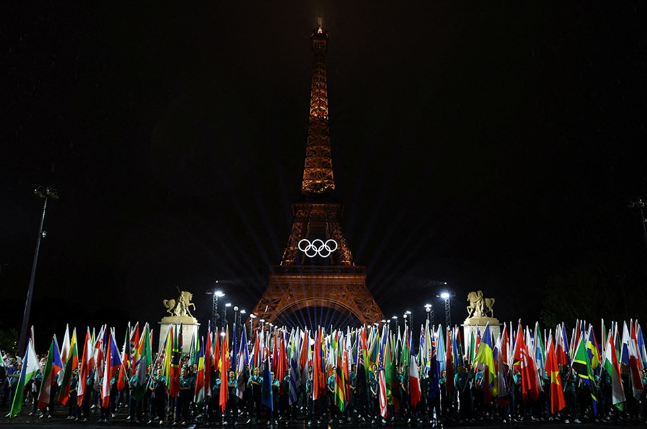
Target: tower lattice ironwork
[[329, 278]]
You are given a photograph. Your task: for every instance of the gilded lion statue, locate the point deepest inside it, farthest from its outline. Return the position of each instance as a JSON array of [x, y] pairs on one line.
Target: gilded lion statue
[[180, 307], [479, 306]]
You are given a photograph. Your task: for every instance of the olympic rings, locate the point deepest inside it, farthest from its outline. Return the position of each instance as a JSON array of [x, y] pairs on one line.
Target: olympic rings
[[317, 247]]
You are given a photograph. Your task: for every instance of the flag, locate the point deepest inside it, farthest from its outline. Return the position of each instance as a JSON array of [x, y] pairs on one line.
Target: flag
[[208, 350], [267, 395], [241, 370], [485, 357], [501, 349], [318, 376], [224, 373], [145, 358], [200, 381], [65, 354], [527, 369], [382, 389], [294, 379], [414, 382], [29, 369], [557, 401], [612, 367], [449, 365], [113, 363], [632, 360], [85, 366], [52, 368], [340, 387], [173, 380], [71, 364]]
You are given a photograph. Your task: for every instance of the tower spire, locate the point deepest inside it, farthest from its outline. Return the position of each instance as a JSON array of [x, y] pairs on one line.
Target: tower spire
[[317, 173]]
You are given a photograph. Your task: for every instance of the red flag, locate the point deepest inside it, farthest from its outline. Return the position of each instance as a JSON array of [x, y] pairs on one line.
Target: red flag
[[304, 350], [84, 368], [224, 374], [414, 382], [318, 377], [216, 351], [526, 367], [557, 402], [449, 364]]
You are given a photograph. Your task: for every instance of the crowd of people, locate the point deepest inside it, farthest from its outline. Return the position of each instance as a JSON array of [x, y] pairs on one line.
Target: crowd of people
[[420, 391]]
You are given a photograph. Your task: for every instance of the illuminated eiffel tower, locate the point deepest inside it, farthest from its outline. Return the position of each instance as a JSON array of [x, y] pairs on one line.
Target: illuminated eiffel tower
[[318, 276]]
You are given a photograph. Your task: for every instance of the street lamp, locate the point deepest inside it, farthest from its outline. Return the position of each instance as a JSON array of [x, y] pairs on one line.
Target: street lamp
[[408, 315], [45, 194], [640, 204]]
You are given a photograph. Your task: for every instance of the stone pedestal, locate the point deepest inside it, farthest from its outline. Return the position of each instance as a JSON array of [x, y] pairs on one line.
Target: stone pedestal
[[189, 328], [473, 324]]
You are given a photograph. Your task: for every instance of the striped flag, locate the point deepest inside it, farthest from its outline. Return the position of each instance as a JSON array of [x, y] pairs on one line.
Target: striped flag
[[52, 368], [29, 369]]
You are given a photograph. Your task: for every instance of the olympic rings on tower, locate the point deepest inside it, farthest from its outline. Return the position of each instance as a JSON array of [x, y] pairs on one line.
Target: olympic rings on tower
[[317, 247]]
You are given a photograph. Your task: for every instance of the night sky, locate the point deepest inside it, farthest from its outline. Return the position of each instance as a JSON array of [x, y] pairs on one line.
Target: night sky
[[490, 145]]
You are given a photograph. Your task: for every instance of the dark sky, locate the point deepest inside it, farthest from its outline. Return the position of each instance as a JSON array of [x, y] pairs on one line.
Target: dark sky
[[491, 145]]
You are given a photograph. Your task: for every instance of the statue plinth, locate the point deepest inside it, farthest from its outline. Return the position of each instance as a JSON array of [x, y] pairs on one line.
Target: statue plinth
[[473, 324], [189, 328]]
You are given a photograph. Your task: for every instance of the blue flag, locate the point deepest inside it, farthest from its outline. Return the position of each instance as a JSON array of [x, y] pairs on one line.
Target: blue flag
[[267, 397], [434, 377]]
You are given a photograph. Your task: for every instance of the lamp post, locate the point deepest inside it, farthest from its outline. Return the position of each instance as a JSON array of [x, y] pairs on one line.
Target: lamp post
[[446, 296], [410, 317], [640, 205], [397, 325], [45, 194]]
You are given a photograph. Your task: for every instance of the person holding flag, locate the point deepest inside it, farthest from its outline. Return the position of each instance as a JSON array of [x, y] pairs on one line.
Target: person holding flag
[[158, 397], [571, 384], [232, 401], [213, 410], [373, 388], [255, 383]]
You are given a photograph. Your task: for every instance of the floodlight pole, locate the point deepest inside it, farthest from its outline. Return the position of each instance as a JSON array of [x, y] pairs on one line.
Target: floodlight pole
[[640, 204], [45, 194]]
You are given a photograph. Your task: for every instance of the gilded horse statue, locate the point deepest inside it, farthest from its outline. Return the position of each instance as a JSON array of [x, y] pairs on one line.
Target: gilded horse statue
[[180, 307], [479, 306]]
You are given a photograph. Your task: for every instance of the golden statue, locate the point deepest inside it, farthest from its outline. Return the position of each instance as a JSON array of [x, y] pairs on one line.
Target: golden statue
[[479, 306], [180, 307]]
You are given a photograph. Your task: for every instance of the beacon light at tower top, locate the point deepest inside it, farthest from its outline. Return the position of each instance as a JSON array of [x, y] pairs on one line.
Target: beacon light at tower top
[[444, 295]]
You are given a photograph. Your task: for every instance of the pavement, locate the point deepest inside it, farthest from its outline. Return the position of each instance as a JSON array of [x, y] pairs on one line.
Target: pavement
[[58, 420]]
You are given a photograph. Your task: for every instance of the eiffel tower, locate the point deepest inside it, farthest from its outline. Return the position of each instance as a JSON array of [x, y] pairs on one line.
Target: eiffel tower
[[311, 274]]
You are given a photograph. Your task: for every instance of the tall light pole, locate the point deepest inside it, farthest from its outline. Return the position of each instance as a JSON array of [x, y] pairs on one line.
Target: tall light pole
[[640, 205], [214, 306], [430, 314], [224, 315], [446, 296], [252, 316], [410, 317], [45, 194], [241, 323]]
